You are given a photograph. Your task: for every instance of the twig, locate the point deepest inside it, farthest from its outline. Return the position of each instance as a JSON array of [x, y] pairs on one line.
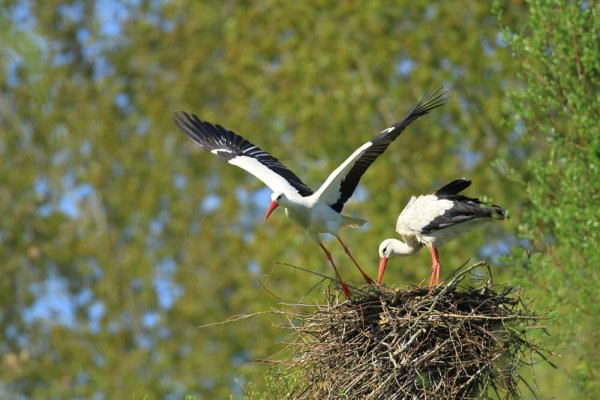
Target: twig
[[394, 344]]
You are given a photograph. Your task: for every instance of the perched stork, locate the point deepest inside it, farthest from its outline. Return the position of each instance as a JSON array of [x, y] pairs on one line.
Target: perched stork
[[319, 211], [430, 220]]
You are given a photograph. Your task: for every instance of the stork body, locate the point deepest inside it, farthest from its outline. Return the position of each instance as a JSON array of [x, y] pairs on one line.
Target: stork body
[[317, 212], [433, 219]]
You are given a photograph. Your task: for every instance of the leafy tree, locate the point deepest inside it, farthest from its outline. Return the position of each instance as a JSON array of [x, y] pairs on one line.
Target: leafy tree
[[119, 237], [558, 112]]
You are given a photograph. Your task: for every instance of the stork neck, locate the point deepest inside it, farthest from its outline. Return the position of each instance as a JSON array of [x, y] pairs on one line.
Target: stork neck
[[402, 248], [292, 200]]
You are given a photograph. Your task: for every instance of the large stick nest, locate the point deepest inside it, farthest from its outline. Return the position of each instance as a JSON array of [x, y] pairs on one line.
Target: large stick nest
[[386, 343]]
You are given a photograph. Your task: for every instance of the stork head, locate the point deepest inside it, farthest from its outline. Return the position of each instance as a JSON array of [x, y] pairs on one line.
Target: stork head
[[276, 199], [388, 248], [385, 252], [385, 248]]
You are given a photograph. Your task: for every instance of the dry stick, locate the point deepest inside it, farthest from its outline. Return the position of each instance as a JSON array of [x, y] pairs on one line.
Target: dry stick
[[234, 318], [394, 319], [325, 277]]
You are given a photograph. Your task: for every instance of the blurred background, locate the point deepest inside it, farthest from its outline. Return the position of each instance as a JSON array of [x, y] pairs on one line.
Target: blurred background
[[119, 237]]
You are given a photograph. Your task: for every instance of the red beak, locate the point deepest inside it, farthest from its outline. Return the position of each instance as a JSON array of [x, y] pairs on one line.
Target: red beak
[[273, 206], [382, 264]]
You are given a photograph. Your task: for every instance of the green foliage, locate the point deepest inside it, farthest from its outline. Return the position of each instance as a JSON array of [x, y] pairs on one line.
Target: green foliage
[[279, 383], [559, 110], [119, 237]]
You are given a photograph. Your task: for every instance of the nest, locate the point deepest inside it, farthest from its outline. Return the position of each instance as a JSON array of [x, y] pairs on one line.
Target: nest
[[385, 343]]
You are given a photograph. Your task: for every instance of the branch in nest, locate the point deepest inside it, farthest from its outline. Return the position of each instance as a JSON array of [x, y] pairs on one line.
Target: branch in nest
[[452, 342]]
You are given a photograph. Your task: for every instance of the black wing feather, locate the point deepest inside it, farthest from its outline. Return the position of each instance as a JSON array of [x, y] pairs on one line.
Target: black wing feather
[[454, 187], [215, 137], [464, 209], [431, 100]]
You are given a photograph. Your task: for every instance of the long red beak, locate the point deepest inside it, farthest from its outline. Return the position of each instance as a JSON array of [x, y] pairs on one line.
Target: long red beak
[[382, 264], [273, 206]]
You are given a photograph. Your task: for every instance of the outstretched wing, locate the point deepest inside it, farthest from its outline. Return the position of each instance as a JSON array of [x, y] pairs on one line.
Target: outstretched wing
[[342, 182], [238, 151]]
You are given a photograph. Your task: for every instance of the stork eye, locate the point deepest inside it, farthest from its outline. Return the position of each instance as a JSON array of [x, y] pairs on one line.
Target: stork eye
[[279, 197]]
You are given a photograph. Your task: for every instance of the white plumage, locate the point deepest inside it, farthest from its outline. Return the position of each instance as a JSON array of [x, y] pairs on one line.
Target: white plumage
[[316, 212], [432, 219]]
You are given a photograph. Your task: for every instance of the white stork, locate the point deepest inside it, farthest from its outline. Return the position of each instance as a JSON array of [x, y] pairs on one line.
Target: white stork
[[316, 212], [430, 220]]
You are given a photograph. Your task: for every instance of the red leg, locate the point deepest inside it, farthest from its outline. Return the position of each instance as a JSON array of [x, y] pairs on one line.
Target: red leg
[[437, 267], [339, 278], [432, 276], [347, 250], [432, 251]]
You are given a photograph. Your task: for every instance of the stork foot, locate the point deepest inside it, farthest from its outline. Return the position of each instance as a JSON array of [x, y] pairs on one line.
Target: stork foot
[[369, 280], [345, 290]]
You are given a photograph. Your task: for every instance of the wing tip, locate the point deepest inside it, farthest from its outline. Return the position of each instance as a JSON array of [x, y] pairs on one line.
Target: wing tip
[[185, 119], [432, 99], [499, 213], [464, 180], [194, 128], [454, 187]]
